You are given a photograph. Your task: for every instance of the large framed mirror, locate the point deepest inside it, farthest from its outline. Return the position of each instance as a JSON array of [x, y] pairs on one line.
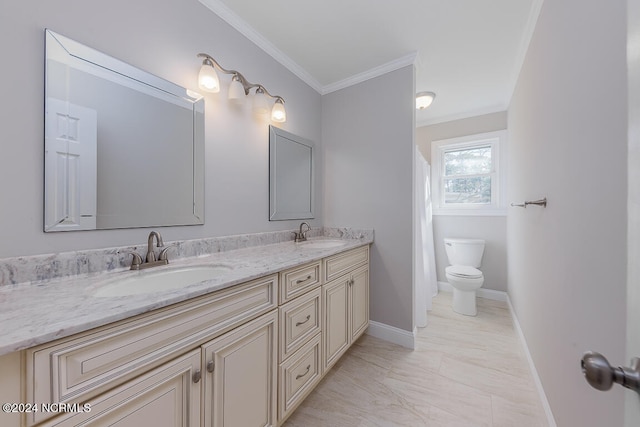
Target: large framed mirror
[[291, 182], [123, 148]]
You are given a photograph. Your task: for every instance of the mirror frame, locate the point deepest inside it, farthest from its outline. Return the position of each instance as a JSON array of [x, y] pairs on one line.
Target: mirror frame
[[74, 54], [278, 170]]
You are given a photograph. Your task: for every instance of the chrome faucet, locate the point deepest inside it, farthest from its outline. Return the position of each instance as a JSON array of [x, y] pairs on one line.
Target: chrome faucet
[[150, 259], [301, 236]]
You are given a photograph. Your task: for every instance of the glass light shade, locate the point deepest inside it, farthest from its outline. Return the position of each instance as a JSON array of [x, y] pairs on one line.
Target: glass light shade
[[278, 113], [208, 79], [424, 99], [260, 103], [236, 92]]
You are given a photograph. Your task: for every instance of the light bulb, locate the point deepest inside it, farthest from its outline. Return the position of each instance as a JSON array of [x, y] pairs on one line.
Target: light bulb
[[236, 91], [208, 78], [260, 102], [278, 113]]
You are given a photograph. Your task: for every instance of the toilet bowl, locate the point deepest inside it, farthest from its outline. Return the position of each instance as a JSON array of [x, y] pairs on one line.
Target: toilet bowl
[[465, 256]]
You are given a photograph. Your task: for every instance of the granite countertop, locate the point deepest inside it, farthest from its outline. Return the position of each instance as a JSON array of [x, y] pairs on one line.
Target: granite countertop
[[42, 311]]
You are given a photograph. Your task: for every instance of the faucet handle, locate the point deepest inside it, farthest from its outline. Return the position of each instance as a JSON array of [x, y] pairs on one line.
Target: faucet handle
[[136, 261], [163, 254]]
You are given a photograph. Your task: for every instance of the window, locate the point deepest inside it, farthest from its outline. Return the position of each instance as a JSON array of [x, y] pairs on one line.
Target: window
[[468, 175]]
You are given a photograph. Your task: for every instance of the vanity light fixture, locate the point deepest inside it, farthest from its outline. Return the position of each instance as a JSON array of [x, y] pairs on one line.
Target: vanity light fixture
[[208, 81], [424, 99]]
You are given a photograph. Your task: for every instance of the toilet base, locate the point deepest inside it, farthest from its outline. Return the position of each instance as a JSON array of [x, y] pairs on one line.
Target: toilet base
[[464, 302]]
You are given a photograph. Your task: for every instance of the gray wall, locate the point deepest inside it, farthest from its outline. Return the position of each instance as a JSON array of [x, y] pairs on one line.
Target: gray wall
[[493, 229], [368, 139], [163, 39], [632, 405], [567, 263]]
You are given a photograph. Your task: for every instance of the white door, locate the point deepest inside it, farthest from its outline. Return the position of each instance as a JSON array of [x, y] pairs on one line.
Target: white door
[[70, 166], [632, 403]]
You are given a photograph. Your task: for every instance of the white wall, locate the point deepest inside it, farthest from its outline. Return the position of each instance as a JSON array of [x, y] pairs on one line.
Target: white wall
[[368, 139], [162, 38], [567, 263], [493, 229]]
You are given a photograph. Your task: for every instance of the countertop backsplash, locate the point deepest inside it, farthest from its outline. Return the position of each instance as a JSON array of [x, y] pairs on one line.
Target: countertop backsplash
[[41, 268]]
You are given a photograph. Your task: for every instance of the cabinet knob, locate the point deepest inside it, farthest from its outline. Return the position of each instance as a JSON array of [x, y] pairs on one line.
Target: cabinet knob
[[211, 365], [197, 375]]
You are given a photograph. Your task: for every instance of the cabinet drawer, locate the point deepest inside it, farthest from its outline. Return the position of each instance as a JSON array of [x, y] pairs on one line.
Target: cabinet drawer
[[82, 366], [299, 280], [165, 396], [337, 265], [299, 320], [298, 376]]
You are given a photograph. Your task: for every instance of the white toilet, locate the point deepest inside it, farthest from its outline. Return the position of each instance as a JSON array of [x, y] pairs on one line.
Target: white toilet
[[465, 256]]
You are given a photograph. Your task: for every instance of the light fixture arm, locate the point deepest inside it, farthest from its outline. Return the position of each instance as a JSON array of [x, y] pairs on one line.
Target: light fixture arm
[[246, 84]]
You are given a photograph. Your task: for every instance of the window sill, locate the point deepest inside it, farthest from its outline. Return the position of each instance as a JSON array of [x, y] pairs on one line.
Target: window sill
[[470, 212]]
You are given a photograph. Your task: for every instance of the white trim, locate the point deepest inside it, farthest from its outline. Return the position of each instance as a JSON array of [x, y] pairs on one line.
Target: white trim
[[470, 212], [392, 334], [220, 9], [372, 73], [482, 293], [460, 116], [532, 366]]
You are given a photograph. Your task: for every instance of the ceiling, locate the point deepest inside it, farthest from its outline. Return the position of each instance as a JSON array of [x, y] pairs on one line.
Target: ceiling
[[468, 52]]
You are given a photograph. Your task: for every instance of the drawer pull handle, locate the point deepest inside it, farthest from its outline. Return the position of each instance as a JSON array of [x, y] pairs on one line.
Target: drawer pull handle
[[197, 375], [304, 321], [303, 280], [305, 373], [211, 366]]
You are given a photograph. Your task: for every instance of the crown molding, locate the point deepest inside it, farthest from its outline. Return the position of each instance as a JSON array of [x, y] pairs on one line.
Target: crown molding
[[396, 64], [220, 9], [459, 116]]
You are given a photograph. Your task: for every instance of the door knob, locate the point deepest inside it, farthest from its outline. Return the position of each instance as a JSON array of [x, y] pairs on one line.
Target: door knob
[[601, 375]]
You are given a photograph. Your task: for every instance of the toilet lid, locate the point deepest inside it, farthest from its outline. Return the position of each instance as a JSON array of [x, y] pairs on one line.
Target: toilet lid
[[464, 271]]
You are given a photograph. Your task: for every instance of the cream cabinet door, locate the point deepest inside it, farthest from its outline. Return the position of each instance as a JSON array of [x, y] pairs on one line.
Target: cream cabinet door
[[240, 385], [359, 302], [168, 396], [336, 320]]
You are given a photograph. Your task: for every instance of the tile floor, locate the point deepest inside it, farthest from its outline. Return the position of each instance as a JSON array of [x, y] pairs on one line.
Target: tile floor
[[465, 371]]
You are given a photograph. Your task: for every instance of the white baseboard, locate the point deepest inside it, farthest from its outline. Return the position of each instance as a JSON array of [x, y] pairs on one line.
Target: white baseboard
[[392, 334], [532, 366], [482, 292]]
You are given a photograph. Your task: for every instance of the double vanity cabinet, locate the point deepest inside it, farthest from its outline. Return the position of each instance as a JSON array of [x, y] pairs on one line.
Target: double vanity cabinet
[[243, 356]]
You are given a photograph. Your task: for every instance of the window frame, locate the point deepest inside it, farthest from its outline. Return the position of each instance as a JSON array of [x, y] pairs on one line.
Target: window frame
[[497, 141]]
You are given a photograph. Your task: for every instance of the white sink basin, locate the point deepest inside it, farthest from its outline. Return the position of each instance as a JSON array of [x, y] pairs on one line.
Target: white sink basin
[[148, 282], [322, 244]]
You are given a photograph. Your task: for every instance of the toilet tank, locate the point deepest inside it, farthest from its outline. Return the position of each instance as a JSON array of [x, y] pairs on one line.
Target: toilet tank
[[464, 251]]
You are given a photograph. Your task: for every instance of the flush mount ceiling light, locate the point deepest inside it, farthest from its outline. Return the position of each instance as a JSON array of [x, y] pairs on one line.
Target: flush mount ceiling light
[[424, 99], [208, 81]]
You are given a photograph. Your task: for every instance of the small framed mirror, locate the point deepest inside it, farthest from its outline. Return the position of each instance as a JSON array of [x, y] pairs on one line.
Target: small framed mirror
[[291, 170]]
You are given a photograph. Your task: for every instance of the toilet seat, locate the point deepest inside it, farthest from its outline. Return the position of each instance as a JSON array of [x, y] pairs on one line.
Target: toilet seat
[[464, 272]]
